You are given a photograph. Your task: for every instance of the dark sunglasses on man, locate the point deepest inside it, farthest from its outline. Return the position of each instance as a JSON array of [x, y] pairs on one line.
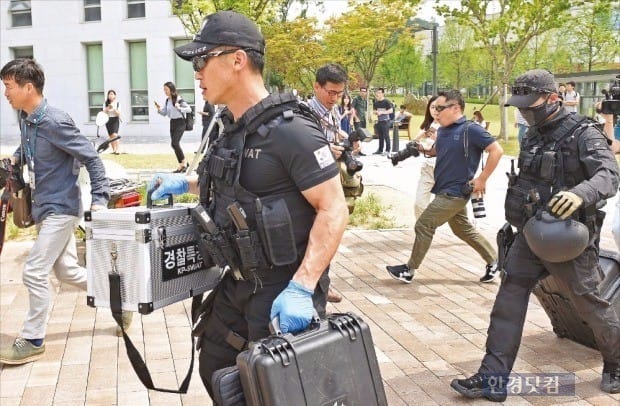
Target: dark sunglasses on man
[[200, 61]]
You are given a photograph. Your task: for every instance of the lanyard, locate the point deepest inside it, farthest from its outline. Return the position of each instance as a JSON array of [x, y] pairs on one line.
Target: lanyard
[[31, 145]]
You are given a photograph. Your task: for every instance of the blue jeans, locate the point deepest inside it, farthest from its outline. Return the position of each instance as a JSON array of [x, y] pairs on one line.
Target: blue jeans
[[451, 210]]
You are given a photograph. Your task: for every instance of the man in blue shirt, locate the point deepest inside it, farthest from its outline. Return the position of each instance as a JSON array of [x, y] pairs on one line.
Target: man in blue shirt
[[51, 145], [458, 148]]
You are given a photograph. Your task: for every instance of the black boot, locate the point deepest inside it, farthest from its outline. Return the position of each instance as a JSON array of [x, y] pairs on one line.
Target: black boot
[[491, 387], [610, 382]]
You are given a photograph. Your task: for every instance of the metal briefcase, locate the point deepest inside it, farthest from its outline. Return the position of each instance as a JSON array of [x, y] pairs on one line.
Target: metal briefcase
[[153, 250]]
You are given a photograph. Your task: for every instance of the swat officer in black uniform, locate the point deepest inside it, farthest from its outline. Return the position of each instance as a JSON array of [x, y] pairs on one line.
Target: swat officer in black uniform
[[274, 210], [566, 168]]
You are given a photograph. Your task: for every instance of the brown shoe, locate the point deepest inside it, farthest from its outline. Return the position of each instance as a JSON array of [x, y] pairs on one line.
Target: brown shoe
[[333, 296]]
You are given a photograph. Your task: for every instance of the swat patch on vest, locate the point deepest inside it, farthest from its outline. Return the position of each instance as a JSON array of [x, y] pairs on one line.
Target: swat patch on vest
[[324, 157]]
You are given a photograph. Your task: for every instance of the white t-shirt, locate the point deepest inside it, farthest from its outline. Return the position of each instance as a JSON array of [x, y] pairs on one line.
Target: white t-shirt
[[571, 96]]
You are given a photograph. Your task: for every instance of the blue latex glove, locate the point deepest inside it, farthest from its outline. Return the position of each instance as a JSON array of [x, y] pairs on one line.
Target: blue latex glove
[[169, 184], [294, 307]]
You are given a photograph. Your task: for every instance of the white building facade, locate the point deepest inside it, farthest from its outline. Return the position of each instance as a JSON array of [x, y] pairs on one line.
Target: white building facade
[[87, 47]]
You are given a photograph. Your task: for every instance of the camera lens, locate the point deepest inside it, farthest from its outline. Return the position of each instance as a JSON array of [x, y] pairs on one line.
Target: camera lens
[[479, 209]]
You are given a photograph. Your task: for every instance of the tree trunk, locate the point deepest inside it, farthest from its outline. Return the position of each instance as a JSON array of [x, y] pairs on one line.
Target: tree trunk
[[503, 132]]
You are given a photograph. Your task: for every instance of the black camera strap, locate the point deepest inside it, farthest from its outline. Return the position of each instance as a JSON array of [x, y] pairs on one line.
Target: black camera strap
[[4, 212]]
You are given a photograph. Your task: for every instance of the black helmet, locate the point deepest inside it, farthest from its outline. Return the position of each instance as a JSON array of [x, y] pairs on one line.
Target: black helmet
[[555, 240]]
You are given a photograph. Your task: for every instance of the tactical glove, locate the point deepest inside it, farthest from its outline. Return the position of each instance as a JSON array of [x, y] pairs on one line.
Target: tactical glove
[[563, 204], [168, 184], [294, 308]]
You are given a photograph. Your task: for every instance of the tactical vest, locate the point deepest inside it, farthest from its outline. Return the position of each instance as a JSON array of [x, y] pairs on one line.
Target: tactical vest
[[547, 164], [275, 238]]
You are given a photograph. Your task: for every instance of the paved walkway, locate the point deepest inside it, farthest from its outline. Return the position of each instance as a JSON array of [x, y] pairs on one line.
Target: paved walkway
[[425, 334]]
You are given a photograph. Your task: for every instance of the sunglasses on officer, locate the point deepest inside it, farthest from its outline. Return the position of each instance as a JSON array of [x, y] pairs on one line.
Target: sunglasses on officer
[[527, 90], [200, 61]]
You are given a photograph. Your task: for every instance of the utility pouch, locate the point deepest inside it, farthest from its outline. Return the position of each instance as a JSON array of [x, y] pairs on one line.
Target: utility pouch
[[517, 197], [250, 251], [278, 229], [221, 250], [547, 166]]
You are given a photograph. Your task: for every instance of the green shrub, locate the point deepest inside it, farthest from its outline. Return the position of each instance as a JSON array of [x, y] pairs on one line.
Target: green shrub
[[370, 213]]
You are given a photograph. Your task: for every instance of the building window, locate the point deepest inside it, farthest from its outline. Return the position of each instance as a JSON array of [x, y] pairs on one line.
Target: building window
[[184, 76], [92, 10], [22, 52], [135, 9], [20, 13], [138, 81], [94, 65]]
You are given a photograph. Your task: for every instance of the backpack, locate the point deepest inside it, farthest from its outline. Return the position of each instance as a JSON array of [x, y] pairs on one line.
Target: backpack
[[189, 120]]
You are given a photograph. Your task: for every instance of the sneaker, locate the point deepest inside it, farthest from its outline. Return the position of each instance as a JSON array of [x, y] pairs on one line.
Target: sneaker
[[126, 318], [610, 382], [401, 272], [491, 273], [378, 153], [21, 352], [477, 386], [361, 154]]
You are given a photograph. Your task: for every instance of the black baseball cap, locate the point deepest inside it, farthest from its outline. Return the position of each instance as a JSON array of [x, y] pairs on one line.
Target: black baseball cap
[[223, 28], [530, 86]]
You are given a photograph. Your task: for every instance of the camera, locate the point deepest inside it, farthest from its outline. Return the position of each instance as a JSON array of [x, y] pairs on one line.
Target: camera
[[353, 165], [11, 173], [611, 104], [411, 149]]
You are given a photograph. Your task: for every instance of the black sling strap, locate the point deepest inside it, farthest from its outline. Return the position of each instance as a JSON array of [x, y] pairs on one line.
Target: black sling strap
[[134, 356], [4, 212]]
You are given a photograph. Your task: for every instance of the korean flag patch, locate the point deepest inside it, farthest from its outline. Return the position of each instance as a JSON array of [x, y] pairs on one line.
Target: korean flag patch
[[324, 157]]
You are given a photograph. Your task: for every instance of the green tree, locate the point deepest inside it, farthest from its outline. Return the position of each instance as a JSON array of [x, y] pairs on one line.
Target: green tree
[[359, 38], [403, 65], [293, 53], [456, 61], [594, 38], [507, 26], [192, 12]]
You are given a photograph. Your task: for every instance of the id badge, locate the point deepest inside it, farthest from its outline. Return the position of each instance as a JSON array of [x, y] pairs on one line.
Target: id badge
[[31, 176]]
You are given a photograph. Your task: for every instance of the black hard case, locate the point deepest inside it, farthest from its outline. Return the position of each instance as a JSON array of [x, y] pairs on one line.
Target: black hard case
[[333, 363], [564, 318]]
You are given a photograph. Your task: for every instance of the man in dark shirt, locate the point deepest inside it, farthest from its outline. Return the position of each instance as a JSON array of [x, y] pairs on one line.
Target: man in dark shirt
[[383, 108], [272, 150], [360, 104], [459, 147], [579, 183]]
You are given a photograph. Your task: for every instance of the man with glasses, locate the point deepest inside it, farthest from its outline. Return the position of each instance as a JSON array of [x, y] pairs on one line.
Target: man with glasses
[[273, 161], [566, 169], [459, 147], [329, 86]]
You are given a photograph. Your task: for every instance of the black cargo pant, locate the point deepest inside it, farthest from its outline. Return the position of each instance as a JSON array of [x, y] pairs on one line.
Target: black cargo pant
[[580, 277], [383, 131], [244, 307], [177, 129]]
